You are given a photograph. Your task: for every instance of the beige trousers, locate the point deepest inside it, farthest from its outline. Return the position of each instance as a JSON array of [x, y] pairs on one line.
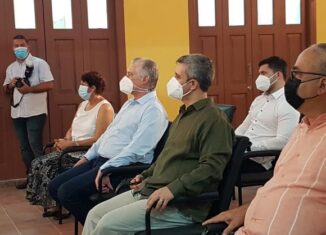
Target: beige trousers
[[125, 214]]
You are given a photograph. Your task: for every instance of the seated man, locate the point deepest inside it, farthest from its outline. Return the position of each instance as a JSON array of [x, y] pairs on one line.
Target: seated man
[[294, 200], [271, 120], [192, 161], [131, 137]]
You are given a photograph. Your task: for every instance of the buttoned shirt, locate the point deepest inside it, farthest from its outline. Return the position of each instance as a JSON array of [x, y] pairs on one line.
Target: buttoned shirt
[[193, 159], [133, 133], [32, 104], [293, 202], [269, 123]]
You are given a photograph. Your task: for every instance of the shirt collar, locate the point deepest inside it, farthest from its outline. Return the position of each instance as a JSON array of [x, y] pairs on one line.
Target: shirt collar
[[277, 94], [149, 96], [197, 105], [314, 122]]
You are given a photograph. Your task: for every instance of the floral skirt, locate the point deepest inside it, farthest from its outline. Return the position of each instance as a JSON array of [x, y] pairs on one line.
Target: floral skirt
[[42, 171]]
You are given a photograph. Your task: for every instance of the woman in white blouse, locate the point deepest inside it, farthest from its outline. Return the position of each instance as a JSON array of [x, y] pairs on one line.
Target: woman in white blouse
[[92, 118]]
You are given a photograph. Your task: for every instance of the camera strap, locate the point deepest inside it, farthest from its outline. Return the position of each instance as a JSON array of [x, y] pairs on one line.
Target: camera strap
[[28, 74], [12, 100]]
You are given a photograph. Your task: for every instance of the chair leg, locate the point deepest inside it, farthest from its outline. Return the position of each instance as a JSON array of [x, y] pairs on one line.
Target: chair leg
[[76, 226], [240, 195], [60, 214]]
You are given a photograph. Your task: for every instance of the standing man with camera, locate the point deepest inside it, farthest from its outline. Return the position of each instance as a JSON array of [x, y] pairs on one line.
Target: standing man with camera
[[27, 80]]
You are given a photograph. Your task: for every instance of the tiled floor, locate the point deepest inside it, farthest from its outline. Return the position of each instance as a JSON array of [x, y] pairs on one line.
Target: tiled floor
[[18, 217]]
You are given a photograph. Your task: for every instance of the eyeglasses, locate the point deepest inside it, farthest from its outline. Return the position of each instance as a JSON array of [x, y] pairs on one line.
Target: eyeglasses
[[298, 75]]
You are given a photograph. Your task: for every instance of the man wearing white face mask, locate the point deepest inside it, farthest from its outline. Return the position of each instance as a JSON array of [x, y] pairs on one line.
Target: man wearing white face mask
[[130, 138], [28, 79], [271, 119], [192, 161]]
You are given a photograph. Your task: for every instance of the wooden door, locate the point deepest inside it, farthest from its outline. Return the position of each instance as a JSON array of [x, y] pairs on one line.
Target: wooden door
[[237, 49], [237, 62], [281, 39], [209, 41], [11, 165], [64, 48], [69, 53]]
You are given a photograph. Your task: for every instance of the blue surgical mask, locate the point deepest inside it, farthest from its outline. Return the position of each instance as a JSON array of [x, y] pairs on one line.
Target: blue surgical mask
[[82, 91], [21, 52]]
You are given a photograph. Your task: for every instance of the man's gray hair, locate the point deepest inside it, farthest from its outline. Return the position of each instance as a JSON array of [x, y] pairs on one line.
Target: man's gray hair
[[200, 68], [148, 68]]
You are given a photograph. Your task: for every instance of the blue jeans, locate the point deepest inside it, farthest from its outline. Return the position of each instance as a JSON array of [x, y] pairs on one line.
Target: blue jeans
[[73, 187], [29, 132]]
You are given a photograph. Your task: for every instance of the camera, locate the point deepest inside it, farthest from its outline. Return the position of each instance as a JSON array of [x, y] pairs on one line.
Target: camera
[[19, 82], [28, 73]]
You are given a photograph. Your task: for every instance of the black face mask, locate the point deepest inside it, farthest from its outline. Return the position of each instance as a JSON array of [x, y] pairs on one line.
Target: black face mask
[[291, 92]]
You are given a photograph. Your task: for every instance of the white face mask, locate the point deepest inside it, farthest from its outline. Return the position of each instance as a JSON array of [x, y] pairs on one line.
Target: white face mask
[[126, 85], [263, 83], [175, 89]]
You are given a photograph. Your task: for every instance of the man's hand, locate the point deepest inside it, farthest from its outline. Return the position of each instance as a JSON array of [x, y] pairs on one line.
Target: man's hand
[[135, 183], [106, 183], [25, 88], [10, 86], [162, 196], [81, 161], [234, 218]]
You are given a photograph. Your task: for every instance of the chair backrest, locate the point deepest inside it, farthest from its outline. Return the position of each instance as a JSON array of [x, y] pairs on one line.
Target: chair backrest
[[160, 145], [230, 176], [228, 109]]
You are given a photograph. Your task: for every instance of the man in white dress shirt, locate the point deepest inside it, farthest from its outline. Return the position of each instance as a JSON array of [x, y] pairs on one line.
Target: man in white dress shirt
[[29, 99], [271, 119]]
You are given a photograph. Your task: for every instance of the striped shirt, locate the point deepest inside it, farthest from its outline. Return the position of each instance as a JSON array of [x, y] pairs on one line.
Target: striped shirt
[[294, 200]]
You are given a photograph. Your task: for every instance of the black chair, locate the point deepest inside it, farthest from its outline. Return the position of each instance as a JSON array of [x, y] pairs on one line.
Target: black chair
[[228, 109], [221, 199], [46, 149], [127, 171], [247, 179]]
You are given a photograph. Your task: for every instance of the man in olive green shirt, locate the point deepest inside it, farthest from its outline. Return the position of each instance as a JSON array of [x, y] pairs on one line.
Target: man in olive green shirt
[[197, 150]]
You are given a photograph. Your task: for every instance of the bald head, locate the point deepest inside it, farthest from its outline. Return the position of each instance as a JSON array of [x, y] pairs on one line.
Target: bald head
[[319, 51]]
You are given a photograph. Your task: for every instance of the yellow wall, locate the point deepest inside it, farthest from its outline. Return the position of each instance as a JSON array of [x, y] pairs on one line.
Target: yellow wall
[[158, 29], [321, 20]]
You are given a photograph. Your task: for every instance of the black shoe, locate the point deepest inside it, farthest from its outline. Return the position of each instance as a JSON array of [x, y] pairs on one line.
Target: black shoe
[[21, 184], [50, 213], [63, 216]]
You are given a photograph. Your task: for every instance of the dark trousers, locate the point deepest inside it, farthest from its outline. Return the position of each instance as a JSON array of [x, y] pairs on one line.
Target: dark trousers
[[73, 187], [249, 166], [29, 132]]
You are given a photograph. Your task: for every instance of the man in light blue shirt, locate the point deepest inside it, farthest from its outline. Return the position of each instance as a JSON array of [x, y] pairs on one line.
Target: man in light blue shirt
[[130, 138]]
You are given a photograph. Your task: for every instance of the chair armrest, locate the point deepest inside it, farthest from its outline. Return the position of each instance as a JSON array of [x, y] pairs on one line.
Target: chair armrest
[[130, 169], [212, 229], [74, 149], [204, 197], [210, 196], [261, 153], [48, 145]]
